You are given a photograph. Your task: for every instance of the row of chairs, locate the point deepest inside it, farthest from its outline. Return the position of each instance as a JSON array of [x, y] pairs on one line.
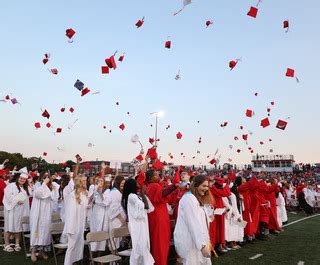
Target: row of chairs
[[57, 229]]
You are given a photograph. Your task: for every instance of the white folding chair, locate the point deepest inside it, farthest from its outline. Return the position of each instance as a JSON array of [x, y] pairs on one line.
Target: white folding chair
[[25, 220], [121, 233], [57, 229]]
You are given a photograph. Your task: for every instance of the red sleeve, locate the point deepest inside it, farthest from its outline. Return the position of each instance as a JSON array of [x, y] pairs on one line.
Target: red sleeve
[[244, 187], [154, 192]]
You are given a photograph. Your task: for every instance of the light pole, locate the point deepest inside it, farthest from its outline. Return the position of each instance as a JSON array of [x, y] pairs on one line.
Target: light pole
[[157, 114]]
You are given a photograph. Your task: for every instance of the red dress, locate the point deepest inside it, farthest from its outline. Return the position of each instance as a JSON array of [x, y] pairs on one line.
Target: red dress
[[219, 219], [159, 224], [255, 203], [271, 196]]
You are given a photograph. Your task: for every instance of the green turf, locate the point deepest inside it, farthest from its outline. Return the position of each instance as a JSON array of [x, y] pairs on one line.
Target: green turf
[[299, 242]]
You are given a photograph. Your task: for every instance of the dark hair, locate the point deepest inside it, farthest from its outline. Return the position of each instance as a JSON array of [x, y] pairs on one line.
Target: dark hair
[[64, 181], [196, 182], [25, 185], [237, 182], [149, 174], [130, 186], [117, 182]]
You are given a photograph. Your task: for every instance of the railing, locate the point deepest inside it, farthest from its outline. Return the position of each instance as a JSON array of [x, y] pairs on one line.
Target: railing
[[272, 157]]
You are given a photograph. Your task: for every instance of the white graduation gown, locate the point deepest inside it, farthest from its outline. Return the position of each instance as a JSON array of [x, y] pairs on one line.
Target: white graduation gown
[[40, 214], [116, 209], [13, 212], [100, 218], [233, 231], [139, 231], [75, 222], [281, 210], [191, 231]]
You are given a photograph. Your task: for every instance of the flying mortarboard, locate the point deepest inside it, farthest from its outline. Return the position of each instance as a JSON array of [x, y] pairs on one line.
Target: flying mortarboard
[[265, 122], [281, 124]]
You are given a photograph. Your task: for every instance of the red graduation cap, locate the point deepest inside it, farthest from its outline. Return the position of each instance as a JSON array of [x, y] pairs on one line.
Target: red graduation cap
[[139, 157], [104, 127], [249, 113], [45, 60], [212, 161], [140, 22], [117, 103], [157, 164], [151, 140], [272, 103], [70, 33], [71, 109], [105, 69], [45, 153], [54, 71], [236, 138], [251, 151], [290, 72], [209, 22], [245, 137], [37, 125], [14, 101], [219, 180], [256, 94], [85, 91], [281, 124], [179, 135], [270, 140], [232, 64], [110, 131], [265, 122], [168, 44], [111, 62], [152, 153], [261, 142], [224, 124], [87, 165], [48, 125], [121, 57], [286, 25], [238, 150], [122, 126], [46, 114], [59, 130], [253, 12], [7, 97], [241, 127]]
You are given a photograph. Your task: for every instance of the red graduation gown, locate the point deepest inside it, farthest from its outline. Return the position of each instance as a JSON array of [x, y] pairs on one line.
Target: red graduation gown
[[255, 203], [2, 187], [159, 224], [219, 219], [264, 209], [244, 190], [271, 197]]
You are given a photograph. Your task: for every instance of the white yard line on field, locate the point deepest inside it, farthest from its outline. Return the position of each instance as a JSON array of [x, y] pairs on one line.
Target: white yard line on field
[[301, 263], [256, 256], [305, 218]]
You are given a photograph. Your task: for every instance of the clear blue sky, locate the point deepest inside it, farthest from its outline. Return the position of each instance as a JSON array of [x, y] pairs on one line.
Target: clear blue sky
[[145, 82]]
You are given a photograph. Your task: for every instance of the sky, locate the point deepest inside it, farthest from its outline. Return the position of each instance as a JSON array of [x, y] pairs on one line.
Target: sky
[[144, 82]]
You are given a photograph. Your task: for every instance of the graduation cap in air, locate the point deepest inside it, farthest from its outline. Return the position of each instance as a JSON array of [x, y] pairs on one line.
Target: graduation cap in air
[[121, 57], [140, 22], [139, 157], [253, 11], [62, 109], [71, 109], [45, 114], [85, 91], [157, 164], [122, 126], [151, 140], [48, 124], [249, 113], [281, 124], [265, 122], [111, 63], [179, 135], [212, 161], [152, 153], [209, 22], [104, 69], [291, 73], [167, 44], [14, 101], [233, 63], [46, 58], [54, 71], [224, 124], [37, 125], [79, 85], [286, 25], [70, 33], [59, 130], [45, 153], [245, 137]]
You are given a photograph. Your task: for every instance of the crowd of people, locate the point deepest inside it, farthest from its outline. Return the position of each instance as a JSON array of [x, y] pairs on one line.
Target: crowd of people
[[203, 213]]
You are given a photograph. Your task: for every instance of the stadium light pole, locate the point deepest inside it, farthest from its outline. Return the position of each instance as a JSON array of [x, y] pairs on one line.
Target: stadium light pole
[[157, 114]]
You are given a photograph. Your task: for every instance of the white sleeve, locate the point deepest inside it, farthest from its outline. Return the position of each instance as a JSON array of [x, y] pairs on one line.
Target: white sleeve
[[68, 189], [10, 199], [136, 207], [42, 192], [107, 198], [55, 192], [115, 207]]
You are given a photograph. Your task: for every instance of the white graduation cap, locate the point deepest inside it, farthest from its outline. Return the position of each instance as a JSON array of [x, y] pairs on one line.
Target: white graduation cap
[[24, 172], [185, 3]]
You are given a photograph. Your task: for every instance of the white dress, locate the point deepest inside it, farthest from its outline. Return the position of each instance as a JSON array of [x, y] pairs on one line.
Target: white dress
[[281, 210], [233, 231], [116, 209], [75, 221], [100, 218], [13, 212], [40, 214], [191, 231], [139, 231]]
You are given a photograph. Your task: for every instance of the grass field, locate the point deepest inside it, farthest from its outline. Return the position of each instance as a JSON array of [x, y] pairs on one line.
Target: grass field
[[299, 242]]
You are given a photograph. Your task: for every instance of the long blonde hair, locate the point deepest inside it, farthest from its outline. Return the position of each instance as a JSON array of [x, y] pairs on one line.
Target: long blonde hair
[[78, 188]]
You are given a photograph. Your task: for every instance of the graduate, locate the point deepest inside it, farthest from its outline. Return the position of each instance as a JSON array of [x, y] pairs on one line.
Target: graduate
[[273, 188], [191, 235], [16, 205], [117, 214], [100, 220], [159, 222], [137, 206], [44, 196], [281, 208], [219, 190], [76, 202], [3, 172]]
